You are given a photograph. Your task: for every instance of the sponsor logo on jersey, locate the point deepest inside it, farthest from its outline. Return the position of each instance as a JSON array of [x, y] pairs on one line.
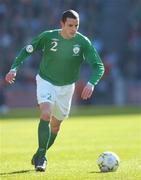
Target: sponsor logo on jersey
[[76, 50]]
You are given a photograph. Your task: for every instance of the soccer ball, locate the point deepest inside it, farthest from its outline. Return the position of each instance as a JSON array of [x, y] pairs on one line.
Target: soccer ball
[[108, 162]]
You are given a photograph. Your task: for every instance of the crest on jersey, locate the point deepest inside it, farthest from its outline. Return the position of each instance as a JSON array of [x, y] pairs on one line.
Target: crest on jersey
[[76, 50]]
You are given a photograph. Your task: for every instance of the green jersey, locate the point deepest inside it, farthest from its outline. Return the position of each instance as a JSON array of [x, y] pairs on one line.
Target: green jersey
[[62, 58]]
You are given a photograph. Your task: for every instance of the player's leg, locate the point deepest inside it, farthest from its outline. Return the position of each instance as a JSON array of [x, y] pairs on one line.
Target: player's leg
[[60, 110], [43, 137], [55, 126], [45, 98], [44, 128]]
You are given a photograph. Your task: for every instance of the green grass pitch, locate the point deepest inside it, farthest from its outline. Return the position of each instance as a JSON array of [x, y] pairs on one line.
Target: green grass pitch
[[74, 154]]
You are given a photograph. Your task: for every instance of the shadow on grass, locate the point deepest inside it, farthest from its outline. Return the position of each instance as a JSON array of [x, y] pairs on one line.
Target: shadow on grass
[[91, 172], [97, 172], [16, 172]]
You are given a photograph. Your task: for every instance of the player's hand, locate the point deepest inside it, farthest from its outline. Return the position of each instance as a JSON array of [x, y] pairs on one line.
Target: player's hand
[[10, 76], [87, 91]]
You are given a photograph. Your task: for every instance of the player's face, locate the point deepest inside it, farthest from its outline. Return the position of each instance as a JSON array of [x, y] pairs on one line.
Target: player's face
[[70, 27]]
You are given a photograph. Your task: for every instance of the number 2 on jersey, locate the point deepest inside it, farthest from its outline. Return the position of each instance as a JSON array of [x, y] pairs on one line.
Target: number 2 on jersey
[[54, 46]]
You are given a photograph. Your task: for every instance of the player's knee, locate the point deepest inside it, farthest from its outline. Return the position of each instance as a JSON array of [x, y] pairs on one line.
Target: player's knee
[[55, 129], [45, 115]]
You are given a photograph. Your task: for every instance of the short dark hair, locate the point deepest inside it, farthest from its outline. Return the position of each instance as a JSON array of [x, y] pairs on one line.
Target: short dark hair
[[69, 14]]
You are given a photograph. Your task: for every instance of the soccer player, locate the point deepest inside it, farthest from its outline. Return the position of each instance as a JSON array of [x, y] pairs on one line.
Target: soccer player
[[64, 50]]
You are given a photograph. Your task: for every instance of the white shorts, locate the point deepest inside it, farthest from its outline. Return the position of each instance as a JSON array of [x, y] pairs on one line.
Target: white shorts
[[59, 96]]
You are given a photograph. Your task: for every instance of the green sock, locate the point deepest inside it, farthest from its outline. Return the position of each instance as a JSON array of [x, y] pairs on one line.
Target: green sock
[[51, 140], [43, 137]]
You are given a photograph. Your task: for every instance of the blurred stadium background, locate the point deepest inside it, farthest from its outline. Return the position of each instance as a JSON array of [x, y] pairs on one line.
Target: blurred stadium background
[[114, 27]]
